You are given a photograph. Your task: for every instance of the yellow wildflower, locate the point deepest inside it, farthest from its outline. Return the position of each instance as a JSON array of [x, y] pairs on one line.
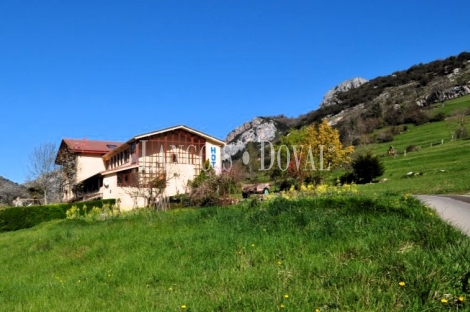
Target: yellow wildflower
[[183, 306], [444, 300], [286, 296], [401, 284]]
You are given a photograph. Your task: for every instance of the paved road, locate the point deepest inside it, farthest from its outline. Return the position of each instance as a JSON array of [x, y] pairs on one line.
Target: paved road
[[452, 208]]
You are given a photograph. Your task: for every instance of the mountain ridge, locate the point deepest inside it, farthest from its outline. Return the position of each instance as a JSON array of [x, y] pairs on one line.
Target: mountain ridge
[[401, 96]]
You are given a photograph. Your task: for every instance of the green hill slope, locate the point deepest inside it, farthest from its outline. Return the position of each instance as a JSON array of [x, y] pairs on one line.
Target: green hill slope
[[328, 254], [438, 164]]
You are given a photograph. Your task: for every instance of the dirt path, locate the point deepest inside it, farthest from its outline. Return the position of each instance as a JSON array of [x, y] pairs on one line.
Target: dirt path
[[452, 208]]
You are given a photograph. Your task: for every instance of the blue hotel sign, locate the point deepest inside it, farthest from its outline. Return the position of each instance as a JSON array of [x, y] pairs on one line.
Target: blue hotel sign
[[213, 156]]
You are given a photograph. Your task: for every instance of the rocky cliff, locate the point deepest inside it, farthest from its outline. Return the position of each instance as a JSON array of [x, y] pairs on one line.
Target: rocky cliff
[[257, 130], [330, 98]]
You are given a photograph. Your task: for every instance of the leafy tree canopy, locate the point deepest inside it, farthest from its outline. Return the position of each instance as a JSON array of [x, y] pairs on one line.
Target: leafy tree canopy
[[313, 149]]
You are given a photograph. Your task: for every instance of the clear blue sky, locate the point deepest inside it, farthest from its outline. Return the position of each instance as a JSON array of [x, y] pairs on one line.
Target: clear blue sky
[[113, 69]]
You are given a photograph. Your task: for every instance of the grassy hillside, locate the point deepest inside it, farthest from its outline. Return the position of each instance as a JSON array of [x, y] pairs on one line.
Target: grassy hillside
[[437, 168], [421, 81], [387, 253]]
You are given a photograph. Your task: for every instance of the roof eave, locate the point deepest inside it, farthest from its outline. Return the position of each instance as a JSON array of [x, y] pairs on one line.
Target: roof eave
[[191, 130], [107, 172], [121, 147]]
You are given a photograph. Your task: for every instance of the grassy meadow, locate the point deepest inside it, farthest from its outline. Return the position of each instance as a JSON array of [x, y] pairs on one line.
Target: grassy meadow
[[437, 168], [325, 253]]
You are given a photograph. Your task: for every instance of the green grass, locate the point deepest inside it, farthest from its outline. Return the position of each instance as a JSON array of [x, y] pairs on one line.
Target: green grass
[[452, 105], [443, 168], [326, 253]]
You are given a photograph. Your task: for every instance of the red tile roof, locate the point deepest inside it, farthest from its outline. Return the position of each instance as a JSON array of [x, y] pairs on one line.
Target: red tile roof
[[90, 146]]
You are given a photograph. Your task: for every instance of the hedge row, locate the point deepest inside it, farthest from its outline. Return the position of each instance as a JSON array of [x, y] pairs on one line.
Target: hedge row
[[16, 218]]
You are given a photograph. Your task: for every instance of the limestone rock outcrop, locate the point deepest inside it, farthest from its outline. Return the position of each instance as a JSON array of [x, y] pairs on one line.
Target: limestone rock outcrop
[[257, 130], [330, 98]]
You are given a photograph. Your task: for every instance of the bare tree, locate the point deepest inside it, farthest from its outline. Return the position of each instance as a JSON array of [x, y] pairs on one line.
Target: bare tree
[[42, 168], [150, 186]]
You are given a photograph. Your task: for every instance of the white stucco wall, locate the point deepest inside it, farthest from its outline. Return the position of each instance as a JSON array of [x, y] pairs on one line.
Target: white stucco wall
[[88, 165], [177, 177], [110, 189]]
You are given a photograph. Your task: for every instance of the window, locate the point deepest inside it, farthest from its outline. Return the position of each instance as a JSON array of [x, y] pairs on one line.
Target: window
[[112, 146], [127, 178]]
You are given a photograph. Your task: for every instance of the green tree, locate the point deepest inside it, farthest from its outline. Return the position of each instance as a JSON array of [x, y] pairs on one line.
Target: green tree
[[367, 167], [206, 172], [313, 150]]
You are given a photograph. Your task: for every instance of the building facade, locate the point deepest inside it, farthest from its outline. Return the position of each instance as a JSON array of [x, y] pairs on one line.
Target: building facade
[[146, 168], [82, 161]]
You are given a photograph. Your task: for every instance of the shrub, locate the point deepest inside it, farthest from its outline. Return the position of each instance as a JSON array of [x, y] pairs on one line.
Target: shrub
[[73, 213], [287, 184], [438, 117], [394, 130], [347, 178], [385, 136], [179, 201], [412, 148], [16, 218], [211, 189], [206, 171], [367, 167], [374, 111], [461, 133], [394, 117], [94, 213], [416, 117], [424, 80]]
